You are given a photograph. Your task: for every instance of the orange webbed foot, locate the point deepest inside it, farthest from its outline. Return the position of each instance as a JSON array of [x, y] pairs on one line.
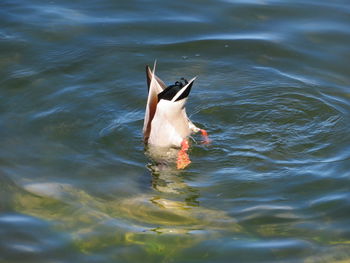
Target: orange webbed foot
[[205, 136], [183, 160]]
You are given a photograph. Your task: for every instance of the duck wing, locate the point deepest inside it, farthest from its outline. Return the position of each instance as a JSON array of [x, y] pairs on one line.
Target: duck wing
[[149, 75], [155, 86]]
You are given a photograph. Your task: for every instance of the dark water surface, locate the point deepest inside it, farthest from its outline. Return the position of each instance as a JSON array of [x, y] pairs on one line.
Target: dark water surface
[[272, 91]]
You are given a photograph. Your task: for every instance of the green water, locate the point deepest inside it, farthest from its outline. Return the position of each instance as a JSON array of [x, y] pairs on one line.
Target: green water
[[272, 91]]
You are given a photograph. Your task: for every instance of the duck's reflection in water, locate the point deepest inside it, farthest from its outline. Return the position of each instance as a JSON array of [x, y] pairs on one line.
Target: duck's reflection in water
[[171, 209]]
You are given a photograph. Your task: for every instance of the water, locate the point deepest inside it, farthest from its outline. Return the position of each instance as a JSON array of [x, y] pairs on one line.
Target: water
[[272, 91]]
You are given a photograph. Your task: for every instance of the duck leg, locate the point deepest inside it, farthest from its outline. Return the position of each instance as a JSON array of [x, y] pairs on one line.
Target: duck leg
[[195, 129], [183, 160]]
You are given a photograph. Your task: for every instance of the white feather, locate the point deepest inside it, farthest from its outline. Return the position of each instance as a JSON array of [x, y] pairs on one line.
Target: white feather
[[170, 124], [182, 90]]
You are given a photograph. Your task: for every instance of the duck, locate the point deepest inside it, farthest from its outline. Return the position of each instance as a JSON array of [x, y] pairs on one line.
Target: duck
[[166, 124]]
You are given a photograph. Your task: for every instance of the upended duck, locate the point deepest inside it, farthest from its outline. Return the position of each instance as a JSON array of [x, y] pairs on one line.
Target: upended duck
[[166, 124]]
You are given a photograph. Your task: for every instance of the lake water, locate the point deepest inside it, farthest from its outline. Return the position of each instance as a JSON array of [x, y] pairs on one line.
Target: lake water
[[273, 92]]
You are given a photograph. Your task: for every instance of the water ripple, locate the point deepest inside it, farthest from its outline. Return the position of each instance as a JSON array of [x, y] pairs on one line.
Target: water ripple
[[272, 91]]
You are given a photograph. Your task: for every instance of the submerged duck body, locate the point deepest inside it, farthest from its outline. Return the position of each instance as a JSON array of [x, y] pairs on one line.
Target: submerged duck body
[[166, 123]]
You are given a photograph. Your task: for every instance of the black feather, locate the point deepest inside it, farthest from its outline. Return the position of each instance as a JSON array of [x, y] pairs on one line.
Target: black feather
[[172, 90]]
